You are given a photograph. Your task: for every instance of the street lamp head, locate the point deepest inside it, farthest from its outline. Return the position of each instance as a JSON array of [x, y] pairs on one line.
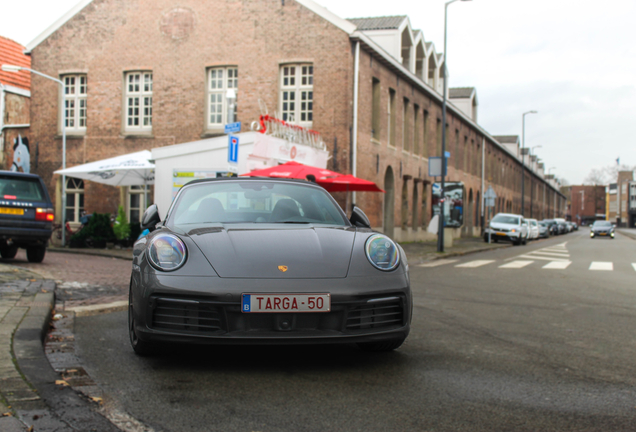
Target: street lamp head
[[11, 68]]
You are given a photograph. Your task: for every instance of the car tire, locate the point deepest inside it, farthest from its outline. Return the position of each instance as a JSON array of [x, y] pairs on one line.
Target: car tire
[[35, 254], [142, 348], [381, 346], [9, 252]]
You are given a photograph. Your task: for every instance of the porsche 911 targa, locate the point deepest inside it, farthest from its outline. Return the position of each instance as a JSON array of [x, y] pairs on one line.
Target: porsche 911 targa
[[265, 261]]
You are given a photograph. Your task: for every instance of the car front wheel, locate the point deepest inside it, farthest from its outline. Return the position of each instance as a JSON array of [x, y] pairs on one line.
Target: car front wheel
[[9, 252], [141, 348], [35, 254]]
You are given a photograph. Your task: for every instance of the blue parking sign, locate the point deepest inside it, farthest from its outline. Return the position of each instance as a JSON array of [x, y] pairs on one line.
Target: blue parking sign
[[232, 150]]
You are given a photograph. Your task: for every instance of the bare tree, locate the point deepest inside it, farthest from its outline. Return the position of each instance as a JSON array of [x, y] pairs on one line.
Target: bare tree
[[606, 175], [595, 177]]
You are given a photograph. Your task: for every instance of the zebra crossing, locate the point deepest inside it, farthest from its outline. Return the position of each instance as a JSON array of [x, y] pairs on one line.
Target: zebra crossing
[[557, 257]]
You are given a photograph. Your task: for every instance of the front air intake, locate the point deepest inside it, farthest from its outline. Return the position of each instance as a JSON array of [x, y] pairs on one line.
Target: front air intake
[[190, 316], [376, 313]]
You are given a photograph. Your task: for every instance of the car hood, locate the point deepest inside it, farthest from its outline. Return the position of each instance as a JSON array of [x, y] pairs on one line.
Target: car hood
[[307, 252], [498, 225]]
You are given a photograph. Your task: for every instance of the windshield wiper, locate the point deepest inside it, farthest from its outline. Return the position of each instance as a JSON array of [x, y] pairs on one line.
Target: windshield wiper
[[294, 222]]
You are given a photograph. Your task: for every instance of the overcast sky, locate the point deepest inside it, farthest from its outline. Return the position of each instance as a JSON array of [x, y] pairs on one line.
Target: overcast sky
[[573, 61]]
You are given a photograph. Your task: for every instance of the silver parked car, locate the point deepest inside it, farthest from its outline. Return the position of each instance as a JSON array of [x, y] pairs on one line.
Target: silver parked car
[[508, 227]]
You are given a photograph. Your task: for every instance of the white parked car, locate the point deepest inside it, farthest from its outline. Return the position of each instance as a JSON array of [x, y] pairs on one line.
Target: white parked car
[[533, 229], [508, 227]]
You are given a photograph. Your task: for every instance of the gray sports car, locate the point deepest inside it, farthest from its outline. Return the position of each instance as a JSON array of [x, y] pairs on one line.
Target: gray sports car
[[265, 261]]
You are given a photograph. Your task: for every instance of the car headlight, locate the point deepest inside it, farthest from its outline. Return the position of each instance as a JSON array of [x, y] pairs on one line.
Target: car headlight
[[382, 252], [167, 252]]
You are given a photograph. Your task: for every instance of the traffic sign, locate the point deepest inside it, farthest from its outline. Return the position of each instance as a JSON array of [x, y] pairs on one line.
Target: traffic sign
[[233, 127], [233, 149], [490, 202], [490, 193], [435, 167]]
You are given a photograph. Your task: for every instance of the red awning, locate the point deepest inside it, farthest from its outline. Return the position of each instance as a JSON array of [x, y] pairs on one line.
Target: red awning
[[348, 183], [293, 170]]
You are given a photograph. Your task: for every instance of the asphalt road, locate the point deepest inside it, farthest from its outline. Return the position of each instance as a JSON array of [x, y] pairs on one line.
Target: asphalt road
[[525, 348]]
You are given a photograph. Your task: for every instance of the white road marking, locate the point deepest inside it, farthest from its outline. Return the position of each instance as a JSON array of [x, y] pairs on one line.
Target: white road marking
[[600, 265], [560, 250], [437, 263], [634, 265], [536, 257], [516, 264], [557, 265], [560, 255], [477, 263]]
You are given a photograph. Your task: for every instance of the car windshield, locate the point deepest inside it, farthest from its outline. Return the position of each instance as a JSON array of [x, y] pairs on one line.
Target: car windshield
[[251, 201], [512, 220], [602, 224], [20, 188]]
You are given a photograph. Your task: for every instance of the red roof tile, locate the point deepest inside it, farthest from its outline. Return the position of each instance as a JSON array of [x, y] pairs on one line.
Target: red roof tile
[[11, 53]]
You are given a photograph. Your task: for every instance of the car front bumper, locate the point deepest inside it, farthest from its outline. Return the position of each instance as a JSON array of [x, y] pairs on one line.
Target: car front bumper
[[168, 312]]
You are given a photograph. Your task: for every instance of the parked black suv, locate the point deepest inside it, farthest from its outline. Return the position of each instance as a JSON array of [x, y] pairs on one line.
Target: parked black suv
[[26, 215]]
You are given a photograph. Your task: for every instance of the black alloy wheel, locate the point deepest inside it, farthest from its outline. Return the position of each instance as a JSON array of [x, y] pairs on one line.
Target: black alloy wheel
[[141, 348], [9, 252], [35, 254]]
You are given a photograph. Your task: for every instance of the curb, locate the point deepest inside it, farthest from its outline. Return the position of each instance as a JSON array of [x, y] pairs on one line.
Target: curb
[[89, 252], [82, 311], [627, 234], [468, 252], [40, 407]]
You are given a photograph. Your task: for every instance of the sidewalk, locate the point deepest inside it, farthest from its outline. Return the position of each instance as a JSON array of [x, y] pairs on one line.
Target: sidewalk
[[26, 304], [420, 252], [628, 232]]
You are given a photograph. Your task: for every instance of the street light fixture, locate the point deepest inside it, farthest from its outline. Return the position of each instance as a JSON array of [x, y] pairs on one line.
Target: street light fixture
[[523, 155], [440, 229], [14, 68]]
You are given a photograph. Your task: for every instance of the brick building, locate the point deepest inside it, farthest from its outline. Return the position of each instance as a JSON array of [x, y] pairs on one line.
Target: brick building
[[15, 100], [619, 199], [588, 204], [142, 74]]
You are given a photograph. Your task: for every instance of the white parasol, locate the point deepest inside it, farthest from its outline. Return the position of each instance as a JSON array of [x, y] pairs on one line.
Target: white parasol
[[132, 169]]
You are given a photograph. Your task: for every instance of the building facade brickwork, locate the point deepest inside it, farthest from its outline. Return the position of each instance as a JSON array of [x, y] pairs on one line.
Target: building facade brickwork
[[176, 44]]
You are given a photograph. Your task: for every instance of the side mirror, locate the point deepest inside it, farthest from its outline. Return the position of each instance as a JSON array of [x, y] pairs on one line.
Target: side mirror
[[359, 219], [150, 218]]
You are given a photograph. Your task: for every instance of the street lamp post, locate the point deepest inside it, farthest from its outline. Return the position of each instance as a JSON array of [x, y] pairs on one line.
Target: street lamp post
[[440, 229], [554, 205], [523, 155], [532, 184], [13, 68]]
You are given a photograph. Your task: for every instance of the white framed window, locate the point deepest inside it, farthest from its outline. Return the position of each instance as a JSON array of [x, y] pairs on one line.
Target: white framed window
[[137, 203], [138, 102], [74, 103], [74, 199], [222, 95], [297, 93]]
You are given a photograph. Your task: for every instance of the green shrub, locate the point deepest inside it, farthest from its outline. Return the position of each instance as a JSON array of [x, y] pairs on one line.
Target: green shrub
[[121, 227], [97, 231]]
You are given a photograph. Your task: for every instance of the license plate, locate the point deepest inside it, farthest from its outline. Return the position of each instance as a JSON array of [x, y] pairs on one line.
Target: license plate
[[602, 233], [277, 303], [11, 211], [501, 233]]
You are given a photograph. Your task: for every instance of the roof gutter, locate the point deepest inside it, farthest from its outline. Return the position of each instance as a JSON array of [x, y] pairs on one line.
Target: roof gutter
[[356, 85], [398, 67]]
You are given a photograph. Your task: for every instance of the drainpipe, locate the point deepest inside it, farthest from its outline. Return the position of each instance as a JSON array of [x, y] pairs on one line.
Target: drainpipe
[[483, 201], [356, 84]]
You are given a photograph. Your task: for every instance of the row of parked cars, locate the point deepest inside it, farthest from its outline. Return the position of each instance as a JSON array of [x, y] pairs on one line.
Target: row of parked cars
[[518, 230]]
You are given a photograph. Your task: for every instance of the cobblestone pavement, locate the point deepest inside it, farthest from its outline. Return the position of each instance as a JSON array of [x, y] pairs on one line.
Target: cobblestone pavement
[[82, 279], [18, 291]]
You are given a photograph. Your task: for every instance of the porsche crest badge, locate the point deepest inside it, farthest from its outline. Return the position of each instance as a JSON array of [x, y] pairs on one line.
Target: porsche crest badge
[[282, 268]]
